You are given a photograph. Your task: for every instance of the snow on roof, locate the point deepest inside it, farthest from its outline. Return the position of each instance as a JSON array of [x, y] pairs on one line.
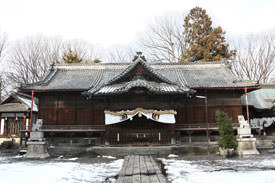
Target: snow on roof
[[28, 102], [260, 99]]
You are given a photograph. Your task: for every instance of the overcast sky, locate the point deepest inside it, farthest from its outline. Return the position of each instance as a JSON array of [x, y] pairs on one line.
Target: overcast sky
[[109, 22]]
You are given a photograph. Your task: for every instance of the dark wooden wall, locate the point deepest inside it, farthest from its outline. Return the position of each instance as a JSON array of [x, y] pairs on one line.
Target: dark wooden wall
[[72, 108], [68, 109], [194, 111]]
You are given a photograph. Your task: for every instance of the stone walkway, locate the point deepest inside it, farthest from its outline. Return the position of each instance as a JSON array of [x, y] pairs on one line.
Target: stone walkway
[[140, 169]]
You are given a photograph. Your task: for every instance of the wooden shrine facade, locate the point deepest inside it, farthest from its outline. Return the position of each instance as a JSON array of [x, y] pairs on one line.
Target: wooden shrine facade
[[75, 98], [15, 115]]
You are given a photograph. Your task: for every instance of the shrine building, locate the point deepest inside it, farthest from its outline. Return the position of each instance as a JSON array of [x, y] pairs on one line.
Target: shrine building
[[137, 102]]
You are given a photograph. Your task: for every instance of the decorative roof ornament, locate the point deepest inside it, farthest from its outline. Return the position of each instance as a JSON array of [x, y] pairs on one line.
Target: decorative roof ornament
[[139, 56]]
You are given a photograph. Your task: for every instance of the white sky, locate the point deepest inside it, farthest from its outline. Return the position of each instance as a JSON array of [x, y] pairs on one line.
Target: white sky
[[109, 22]]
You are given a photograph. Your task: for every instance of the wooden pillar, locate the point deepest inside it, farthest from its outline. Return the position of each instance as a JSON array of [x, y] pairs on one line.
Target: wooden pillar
[[31, 120], [173, 139], [247, 108], [23, 127], [6, 127], [107, 135], [24, 122], [190, 136]]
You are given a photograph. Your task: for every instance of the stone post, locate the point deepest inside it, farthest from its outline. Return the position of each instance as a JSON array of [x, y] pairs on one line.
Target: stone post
[[107, 135], [2, 127], [173, 139]]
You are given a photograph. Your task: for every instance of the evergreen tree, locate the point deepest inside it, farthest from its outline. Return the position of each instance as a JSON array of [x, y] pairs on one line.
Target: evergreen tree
[[71, 57], [204, 43], [226, 131]]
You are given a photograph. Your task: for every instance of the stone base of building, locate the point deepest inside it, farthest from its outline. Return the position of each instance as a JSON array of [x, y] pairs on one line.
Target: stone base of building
[[247, 146], [37, 149], [265, 142]]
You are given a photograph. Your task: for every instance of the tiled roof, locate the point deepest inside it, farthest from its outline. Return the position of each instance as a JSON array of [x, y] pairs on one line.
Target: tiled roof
[[13, 107], [132, 66], [24, 105], [92, 77], [159, 88]]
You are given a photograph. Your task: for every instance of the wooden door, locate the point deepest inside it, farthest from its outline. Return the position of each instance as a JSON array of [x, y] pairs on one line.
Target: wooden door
[[140, 131]]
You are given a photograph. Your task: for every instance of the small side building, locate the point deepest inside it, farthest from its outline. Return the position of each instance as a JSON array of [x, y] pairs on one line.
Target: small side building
[[15, 115], [261, 105]]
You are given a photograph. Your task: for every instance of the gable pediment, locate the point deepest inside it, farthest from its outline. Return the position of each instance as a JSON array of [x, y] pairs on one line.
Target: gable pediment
[[138, 69]]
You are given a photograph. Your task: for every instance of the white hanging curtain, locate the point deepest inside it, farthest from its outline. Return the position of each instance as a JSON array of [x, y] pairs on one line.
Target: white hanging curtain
[[166, 116]]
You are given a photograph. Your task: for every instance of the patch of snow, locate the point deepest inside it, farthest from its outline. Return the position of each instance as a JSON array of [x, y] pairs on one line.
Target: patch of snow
[[109, 157], [172, 156], [232, 170], [60, 157], [72, 159], [57, 172], [19, 156], [28, 102]]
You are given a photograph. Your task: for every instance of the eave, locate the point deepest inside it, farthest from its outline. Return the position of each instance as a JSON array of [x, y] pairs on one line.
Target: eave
[[228, 88], [57, 90]]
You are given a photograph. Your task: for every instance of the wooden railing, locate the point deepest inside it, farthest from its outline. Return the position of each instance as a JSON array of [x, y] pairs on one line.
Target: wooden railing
[[203, 126], [73, 128]]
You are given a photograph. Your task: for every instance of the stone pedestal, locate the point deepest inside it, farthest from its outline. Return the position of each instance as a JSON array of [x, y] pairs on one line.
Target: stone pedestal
[[36, 136], [247, 146], [173, 141], [245, 140], [37, 149]]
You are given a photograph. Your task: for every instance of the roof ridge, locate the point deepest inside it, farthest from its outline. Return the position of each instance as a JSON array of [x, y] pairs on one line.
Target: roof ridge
[[150, 63]]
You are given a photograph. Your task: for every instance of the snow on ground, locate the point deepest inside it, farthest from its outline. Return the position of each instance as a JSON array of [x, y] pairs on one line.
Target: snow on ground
[[258, 170], [109, 157], [172, 156], [13, 170]]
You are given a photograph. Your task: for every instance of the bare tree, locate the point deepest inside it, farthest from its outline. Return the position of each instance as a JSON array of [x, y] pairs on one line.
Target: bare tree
[[164, 40], [120, 54], [5, 89], [3, 46], [255, 59], [31, 58]]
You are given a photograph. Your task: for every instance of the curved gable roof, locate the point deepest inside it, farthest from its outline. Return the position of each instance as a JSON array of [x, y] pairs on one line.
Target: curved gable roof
[[128, 71]]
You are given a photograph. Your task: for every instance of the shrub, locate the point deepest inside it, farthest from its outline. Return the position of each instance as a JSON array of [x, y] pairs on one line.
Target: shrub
[[7, 145], [226, 131]]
